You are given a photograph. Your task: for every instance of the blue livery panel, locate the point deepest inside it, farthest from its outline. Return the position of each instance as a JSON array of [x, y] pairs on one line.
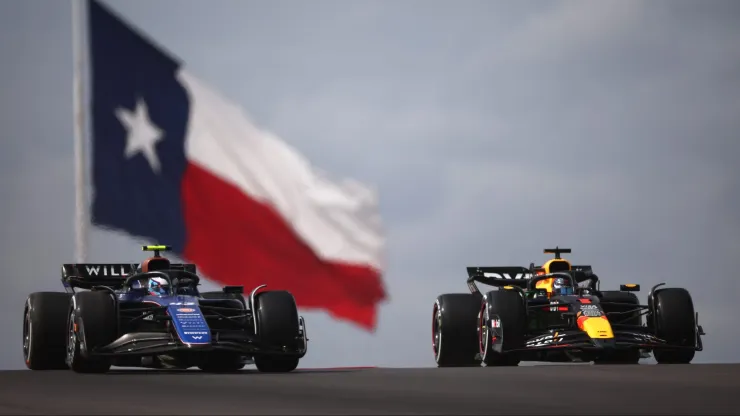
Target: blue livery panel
[[189, 323]]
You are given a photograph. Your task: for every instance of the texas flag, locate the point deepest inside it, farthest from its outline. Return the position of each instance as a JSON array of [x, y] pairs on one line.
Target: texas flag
[[176, 163]]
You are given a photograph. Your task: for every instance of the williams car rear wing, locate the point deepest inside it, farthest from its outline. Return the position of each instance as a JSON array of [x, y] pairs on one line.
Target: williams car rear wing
[[113, 275]]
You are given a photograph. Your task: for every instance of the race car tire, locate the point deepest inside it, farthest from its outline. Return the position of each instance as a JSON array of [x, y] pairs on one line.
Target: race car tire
[[454, 340], [92, 324], [45, 330], [628, 356], [508, 306], [675, 322], [222, 363], [276, 313]]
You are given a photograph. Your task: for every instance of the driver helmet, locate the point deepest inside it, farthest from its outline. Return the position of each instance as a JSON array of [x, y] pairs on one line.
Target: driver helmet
[[561, 287], [158, 286]]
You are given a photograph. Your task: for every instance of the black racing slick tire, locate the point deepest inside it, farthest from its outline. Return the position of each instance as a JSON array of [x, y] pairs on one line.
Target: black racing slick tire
[[627, 299], [506, 306], [92, 324], [45, 330], [675, 322], [276, 313], [454, 340]]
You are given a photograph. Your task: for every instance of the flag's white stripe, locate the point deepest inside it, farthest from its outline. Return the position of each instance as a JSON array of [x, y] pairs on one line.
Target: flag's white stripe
[[340, 221]]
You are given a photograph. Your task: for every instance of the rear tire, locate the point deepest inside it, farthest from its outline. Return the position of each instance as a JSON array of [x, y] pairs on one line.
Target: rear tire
[[277, 325], [92, 324], [508, 306], [675, 322], [45, 330], [631, 356], [454, 340]]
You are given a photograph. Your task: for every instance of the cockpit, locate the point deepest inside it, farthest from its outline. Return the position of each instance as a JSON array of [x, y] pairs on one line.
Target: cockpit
[[158, 276], [555, 285], [165, 283], [562, 286]]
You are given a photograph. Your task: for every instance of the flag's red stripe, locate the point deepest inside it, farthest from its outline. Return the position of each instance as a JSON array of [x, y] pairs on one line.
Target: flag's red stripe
[[236, 240]]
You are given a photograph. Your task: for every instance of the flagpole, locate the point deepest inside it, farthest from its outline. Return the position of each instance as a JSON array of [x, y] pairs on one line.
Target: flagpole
[[78, 50]]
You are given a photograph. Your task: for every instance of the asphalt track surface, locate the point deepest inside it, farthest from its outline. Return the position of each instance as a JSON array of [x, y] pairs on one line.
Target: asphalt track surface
[[550, 390]]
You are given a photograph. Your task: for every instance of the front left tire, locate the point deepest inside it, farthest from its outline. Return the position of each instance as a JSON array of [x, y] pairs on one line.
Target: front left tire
[[508, 307], [92, 324]]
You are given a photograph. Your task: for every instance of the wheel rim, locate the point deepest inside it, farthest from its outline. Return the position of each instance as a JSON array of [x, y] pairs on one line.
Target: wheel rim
[[436, 330], [27, 336], [71, 340], [482, 332]]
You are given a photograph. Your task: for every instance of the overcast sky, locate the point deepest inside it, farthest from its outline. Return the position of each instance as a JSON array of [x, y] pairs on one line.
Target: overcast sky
[[491, 129]]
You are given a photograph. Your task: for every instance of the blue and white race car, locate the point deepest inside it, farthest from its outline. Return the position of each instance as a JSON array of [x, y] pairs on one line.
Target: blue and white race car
[[152, 315]]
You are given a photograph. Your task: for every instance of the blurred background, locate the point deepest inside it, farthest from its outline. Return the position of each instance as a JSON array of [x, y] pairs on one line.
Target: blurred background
[[490, 129]]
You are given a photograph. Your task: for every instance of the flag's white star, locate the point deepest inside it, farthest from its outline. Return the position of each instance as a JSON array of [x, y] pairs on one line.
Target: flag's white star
[[143, 135]]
